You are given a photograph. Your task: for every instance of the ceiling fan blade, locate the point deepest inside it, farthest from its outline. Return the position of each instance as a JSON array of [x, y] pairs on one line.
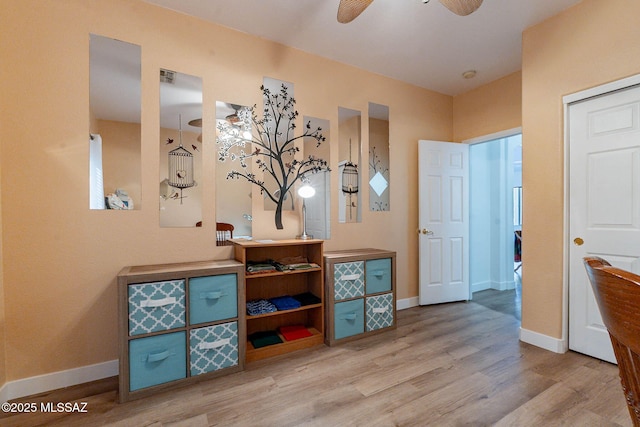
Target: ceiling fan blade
[[462, 7], [348, 10]]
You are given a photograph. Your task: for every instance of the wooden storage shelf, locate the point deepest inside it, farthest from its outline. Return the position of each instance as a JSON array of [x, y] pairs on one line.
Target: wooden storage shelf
[[249, 276], [360, 293], [282, 312], [272, 284], [178, 324], [254, 354]]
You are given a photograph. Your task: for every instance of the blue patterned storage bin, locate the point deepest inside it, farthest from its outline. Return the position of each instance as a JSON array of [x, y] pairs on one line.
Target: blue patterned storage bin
[[348, 280], [348, 318], [157, 306], [378, 275], [213, 348], [157, 359], [379, 311], [213, 298]]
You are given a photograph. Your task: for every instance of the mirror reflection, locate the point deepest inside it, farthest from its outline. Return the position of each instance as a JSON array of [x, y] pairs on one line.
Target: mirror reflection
[[378, 157], [114, 124], [318, 207], [349, 133], [180, 149], [233, 196]]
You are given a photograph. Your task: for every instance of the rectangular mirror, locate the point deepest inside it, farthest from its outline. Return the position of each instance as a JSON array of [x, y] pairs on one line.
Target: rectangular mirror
[[318, 207], [114, 124], [233, 196], [379, 157], [349, 133], [180, 149]]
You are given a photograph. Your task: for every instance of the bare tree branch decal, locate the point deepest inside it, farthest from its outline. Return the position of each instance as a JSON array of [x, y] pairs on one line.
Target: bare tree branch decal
[[270, 143]]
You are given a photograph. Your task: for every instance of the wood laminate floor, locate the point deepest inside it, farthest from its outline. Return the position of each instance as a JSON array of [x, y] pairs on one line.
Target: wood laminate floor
[[453, 364]]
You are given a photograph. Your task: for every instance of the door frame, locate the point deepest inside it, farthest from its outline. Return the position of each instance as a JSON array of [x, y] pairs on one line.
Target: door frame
[[567, 100], [484, 139]]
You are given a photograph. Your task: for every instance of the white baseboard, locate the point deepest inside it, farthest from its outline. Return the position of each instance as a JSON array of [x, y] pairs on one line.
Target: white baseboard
[[480, 286], [56, 380], [546, 342], [403, 304], [498, 286]]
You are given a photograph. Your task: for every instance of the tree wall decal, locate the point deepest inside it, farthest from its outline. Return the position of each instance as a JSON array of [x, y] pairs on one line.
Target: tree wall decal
[[271, 142]]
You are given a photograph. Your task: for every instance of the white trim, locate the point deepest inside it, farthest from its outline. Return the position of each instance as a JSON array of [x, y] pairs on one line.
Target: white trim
[[56, 380], [565, 231], [403, 304], [572, 98], [602, 89], [480, 286], [543, 341], [498, 135]]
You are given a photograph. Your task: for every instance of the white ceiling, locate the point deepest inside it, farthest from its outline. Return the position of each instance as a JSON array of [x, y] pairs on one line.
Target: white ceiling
[[422, 44]]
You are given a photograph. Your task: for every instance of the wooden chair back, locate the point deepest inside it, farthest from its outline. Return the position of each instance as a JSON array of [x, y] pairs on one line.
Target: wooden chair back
[[224, 232], [617, 293]]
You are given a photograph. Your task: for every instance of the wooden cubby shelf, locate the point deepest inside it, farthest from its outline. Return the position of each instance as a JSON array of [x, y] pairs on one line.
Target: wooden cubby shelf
[[268, 285]]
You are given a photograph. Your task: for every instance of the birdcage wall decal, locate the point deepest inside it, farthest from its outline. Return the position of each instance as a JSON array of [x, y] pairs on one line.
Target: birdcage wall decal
[[350, 178], [181, 168], [181, 165]]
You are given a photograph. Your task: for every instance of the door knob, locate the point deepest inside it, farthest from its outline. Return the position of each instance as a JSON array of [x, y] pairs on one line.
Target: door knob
[[578, 241], [425, 231]]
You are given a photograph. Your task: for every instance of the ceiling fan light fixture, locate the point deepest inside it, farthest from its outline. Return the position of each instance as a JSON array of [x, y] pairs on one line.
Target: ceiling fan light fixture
[[348, 10], [462, 7]]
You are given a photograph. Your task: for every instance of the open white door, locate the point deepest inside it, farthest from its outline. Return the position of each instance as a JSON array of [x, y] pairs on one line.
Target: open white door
[[444, 222], [319, 206], [604, 205]]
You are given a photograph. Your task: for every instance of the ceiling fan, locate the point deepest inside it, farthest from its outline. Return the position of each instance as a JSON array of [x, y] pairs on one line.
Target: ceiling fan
[[348, 10]]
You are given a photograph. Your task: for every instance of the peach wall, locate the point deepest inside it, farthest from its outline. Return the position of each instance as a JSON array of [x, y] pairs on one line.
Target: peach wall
[[491, 108], [592, 43], [59, 259], [3, 336]]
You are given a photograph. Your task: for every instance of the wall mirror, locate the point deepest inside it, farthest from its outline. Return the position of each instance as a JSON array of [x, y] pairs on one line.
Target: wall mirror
[[180, 149], [318, 207], [233, 196], [349, 170], [114, 124], [379, 157]]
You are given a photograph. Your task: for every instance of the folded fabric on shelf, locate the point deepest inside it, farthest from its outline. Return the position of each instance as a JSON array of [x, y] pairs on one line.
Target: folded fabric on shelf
[[302, 266], [264, 338], [285, 302], [307, 298], [260, 306], [266, 265], [294, 332]]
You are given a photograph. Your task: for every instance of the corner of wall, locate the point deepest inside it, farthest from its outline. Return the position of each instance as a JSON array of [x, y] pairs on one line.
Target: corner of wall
[[556, 345]]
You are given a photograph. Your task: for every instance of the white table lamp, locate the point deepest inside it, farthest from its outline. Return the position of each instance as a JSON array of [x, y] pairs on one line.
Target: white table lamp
[[305, 192]]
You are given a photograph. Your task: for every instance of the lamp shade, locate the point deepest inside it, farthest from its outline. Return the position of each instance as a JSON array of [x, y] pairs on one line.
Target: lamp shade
[[306, 191]]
